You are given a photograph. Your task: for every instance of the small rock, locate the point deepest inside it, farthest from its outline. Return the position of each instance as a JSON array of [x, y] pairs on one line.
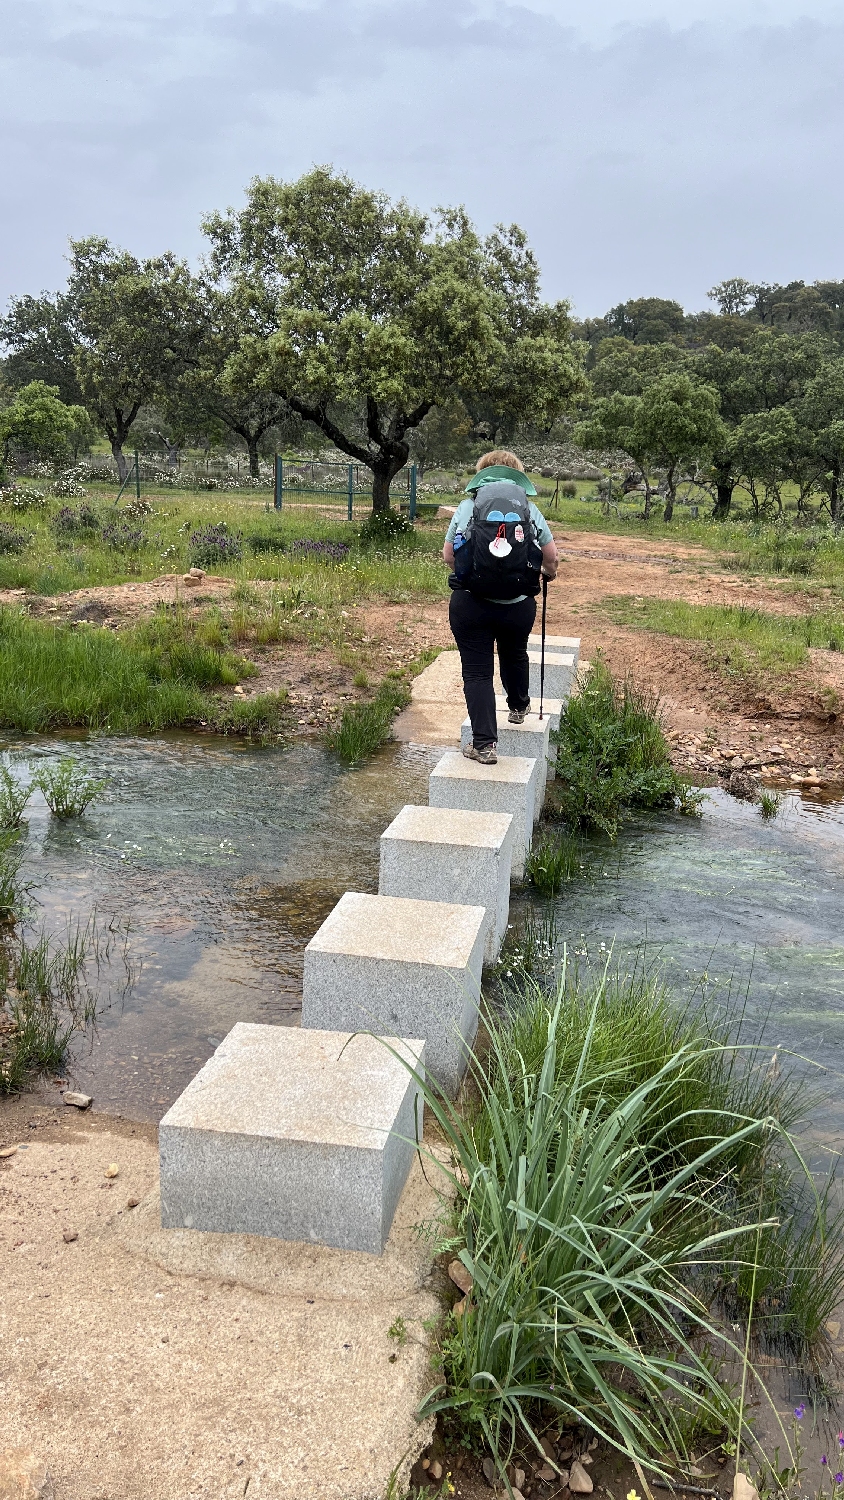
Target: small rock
[[165, 1338], [593, 1445], [489, 1470], [517, 1494], [743, 1489], [240, 691], [132, 1202], [460, 1276], [546, 1473], [461, 1308], [23, 1476], [8, 1151], [586, 1458], [112, 1170], [436, 1469], [70, 1235], [82, 1101], [580, 1483], [833, 1327], [517, 1477], [548, 1448]]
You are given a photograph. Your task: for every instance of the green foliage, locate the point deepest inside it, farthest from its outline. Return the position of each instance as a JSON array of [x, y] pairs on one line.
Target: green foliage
[[151, 677], [12, 891], [13, 799], [383, 527], [769, 804], [37, 421], [365, 726], [742, 638], [363, 315], [612, 756], [12, 540], [583, 1206], [555, 857], [66, 787]]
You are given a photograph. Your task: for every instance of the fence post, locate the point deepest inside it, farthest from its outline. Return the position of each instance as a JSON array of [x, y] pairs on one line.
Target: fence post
[[137, 476], [351, 489], [412, 506], [279, 481]]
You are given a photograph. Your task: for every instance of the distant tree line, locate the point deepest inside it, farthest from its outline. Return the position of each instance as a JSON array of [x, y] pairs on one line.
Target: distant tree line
[[323, 308]]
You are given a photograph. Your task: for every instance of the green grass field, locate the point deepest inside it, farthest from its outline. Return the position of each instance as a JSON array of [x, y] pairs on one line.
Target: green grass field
[[746, 639]]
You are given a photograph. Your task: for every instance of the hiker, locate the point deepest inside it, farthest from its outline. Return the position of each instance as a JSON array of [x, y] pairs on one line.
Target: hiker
[[498, 545]]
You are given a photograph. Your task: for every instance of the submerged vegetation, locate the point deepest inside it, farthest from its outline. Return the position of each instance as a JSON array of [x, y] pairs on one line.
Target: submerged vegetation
[[626, 1195], [612, 757]]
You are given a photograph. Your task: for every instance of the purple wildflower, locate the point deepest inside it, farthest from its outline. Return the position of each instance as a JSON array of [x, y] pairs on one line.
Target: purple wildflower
[[841, 1439], [824, 1460], [800, 1411], [839, 1478]]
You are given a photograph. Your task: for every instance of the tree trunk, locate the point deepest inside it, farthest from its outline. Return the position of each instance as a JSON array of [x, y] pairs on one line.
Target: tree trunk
[[172, 454], [835, 498], [723, 498], [252, 447], [120, 459], [647, 515], [381, 489], [668, 508]]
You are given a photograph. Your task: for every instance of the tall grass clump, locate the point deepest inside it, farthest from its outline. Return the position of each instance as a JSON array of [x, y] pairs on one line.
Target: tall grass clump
[[13, 799], [612, 756], [155, 676], [555, 858], [365, 726], [605, 1170], [67, 788]]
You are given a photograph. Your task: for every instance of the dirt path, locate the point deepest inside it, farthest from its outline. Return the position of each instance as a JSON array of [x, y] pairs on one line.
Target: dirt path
[[784, 725]]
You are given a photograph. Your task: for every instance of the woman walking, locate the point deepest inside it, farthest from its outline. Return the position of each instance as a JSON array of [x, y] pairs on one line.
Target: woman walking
[[498, 545]]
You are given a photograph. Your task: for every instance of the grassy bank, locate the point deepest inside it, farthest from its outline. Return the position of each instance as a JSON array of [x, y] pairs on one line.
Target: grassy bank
[[743, 639], [626, 1195], [157, 676]]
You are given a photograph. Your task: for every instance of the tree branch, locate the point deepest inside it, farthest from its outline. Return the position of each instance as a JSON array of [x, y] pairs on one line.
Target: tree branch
[[319, 417]]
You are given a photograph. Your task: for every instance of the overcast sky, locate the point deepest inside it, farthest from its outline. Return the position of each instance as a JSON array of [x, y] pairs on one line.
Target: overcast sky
[[649, 147]]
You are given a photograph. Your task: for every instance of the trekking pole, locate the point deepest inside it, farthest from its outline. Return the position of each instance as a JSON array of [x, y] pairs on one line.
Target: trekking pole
[[542, 652]]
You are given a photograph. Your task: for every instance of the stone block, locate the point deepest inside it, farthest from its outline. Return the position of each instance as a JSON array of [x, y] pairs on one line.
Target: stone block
[[564, 643], [531, 739], [298, 1135], [559, 672], [551, 710], [400, 967], [509, 786], [446, 854]]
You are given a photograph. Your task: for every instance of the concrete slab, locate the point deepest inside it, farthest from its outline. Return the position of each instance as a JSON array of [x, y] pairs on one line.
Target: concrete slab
[[299, 1135], [439, 854], [566, 643], [400, 967], [530, 738], [228, 1362], [551, 709], [437, 704], [509, 786], [559, 672]]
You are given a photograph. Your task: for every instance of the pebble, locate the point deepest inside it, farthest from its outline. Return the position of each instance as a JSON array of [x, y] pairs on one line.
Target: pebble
[[580, 1483], [489, 1470], [112, 1170], [460, 1276], [82, 1101], [132, 1202], [23, 1476], [70, 1235], [436, 1469], [8, 1151], [546, 1473], [743, 1489]]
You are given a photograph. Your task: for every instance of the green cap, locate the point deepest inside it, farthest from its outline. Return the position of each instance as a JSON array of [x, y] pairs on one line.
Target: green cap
[[501, 471]]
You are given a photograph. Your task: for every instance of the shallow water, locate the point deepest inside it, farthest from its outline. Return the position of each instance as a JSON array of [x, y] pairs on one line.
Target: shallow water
[[223, 860], [745, 912]]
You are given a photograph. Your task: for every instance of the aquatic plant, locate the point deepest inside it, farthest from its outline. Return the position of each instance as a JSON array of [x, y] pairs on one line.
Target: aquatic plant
[[67, 787], [13, 799], [12, 890], [612, 756], [365, 726], [769, 803], [555, 858]]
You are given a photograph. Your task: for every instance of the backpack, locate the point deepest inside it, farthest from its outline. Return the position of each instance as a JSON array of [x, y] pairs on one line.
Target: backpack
[[498, 556]]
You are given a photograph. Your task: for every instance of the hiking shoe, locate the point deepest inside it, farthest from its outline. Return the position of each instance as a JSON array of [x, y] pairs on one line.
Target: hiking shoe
[[518, 715], [486, 756]]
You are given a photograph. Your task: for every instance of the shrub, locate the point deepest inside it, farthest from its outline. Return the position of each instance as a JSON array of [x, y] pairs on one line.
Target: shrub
[[260, 542], [124, 538], [321, 551], [12, 540], [67, 787], [612, 756], [383, 527], [67, 487], [212, 545], [23, 497], [70, 522]]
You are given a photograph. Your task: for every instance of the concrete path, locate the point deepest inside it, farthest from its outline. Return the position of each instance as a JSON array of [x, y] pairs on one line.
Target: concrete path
[[144, 1364], [437, 707]]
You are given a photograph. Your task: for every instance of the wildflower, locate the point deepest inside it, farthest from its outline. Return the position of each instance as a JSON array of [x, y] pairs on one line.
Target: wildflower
[[824, 1460], [841, 1439], [800, 1411], [839, 1478], [631, 1495]]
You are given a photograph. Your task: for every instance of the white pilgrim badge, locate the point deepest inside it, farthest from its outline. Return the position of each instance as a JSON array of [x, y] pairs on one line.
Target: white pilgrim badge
[[519, 534], [499, 546]]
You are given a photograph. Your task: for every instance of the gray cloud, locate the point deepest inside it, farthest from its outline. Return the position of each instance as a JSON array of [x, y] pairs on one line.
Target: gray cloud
[[645, 156]]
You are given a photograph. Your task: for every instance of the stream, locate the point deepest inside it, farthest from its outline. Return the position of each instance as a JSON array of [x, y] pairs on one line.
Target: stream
[[220, 861]]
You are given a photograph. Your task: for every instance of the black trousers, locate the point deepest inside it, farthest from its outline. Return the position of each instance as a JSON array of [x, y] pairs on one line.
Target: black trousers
[[478, 625]]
